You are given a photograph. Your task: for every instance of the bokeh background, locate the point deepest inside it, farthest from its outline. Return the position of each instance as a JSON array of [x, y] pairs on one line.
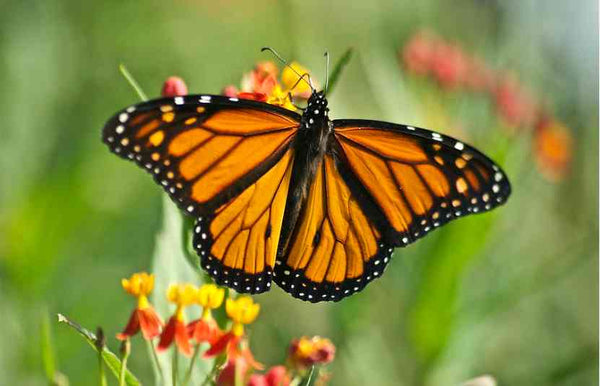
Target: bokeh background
[[513, 293]]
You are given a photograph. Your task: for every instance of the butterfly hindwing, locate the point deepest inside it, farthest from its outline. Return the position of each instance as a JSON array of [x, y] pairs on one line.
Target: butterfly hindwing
[[419, 179], [335, 248], [203, 149]]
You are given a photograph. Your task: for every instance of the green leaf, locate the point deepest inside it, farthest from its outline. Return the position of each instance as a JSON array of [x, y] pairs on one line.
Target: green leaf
[[172, 263], [48, 355], [110, 359], [337, 69]]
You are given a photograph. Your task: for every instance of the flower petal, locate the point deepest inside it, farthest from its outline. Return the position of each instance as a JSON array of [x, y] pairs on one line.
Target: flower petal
[[133, 326]]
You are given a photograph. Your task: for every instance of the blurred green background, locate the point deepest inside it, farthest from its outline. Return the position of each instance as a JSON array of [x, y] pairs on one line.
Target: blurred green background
[[512, 293]]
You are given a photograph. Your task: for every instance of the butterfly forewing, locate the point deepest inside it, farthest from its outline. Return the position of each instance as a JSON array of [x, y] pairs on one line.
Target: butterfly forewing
[[419, 179], [204, 150]]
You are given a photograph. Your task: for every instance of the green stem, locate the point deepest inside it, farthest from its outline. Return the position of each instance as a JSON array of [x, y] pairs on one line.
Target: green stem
[[123, 367], [155, 360], [212, 372], [188, 373], [102, 375], [310, 376], [174, 366], [132, 82]]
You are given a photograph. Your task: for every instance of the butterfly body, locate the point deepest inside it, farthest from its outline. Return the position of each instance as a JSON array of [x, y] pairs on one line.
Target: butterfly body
[[315, 205]]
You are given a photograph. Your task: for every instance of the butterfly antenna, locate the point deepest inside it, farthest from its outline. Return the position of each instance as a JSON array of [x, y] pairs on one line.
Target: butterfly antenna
[[326, 71], [282, 60]]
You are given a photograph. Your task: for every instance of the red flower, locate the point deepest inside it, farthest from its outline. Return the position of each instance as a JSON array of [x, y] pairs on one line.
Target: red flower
[[233, 368], [182, 295], [418, 53], [478, 77], [276, 376], [306, 352], [235, 347], [143, 317], [449, 65], [514, 104], [174, 86], [175, 330], [202, 330]]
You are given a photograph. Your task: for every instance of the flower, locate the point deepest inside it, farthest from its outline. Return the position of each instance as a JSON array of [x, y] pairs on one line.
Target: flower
[[174, 86], [553, 148], [449, 65], [182, 295], [261, 85], [206, 328], [514, 104], [241, 311], [233, 369], [143, 317], [417, 55], [276, 376], [306, 352]]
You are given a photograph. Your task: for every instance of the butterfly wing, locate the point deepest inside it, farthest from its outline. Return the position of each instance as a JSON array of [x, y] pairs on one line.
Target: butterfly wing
[[225, 161], [419, 179], [336, 248]]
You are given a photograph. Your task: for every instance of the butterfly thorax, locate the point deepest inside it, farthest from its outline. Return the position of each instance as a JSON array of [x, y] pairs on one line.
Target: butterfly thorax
[[310, 146]]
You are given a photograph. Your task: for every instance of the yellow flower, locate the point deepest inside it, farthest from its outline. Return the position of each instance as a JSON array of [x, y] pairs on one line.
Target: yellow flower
[[181, 295], [289, 78], [139, 285], [241, 311], [209, 296]]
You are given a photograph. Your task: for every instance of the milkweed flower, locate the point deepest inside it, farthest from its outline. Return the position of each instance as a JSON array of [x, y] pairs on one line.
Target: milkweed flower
[[261, 84], [174, 86], [276, 376], [182, 295], [306, 352], [236, 368], [418, 53], [241, 311], [206, 329], [144, 317], [514, 104], [553, 148]]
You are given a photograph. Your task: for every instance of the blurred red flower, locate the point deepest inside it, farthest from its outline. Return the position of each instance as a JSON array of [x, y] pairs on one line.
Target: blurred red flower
[[234, 367], [174, 86], [276, 376], [418, 53], [305, 352], [514, 104], [449, 65]]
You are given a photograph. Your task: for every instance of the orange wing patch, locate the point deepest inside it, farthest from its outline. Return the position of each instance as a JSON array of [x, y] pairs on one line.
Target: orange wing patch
[[238, 244], [335, 249]]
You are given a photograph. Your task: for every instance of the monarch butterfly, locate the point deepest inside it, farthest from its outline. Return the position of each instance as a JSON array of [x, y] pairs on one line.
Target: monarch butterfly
[[315, 205]]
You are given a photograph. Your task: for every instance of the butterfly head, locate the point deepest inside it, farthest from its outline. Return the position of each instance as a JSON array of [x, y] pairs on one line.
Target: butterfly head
[[317, 106]]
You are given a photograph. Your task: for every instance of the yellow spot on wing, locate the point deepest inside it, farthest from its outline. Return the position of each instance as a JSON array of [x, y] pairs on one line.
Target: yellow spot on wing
[[157, 138]]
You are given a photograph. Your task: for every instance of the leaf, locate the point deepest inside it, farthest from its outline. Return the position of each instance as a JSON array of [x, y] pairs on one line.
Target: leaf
[[110, 359], [171, 263], [337, 70]]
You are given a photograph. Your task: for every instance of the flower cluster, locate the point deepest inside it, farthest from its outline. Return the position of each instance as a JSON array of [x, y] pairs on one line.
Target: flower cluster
[[428, 55], [261, 84], [235, 364]]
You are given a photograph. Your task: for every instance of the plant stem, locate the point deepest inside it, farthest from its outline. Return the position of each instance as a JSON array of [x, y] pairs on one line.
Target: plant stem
[[188, 373], [132, 82], [102, 375], [155, 360], [212, 372], [123, 367], [174, 366]]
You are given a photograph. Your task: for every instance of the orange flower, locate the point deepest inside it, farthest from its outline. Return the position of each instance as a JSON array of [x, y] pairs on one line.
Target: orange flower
[[182, 295], [206, 328], [306, 352], [553, 150], [241, 311], [143, 317]]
